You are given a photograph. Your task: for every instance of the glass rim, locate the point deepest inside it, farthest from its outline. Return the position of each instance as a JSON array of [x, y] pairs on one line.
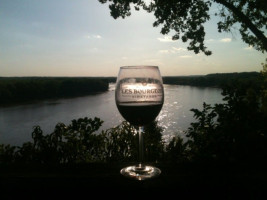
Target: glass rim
[[139, 67]]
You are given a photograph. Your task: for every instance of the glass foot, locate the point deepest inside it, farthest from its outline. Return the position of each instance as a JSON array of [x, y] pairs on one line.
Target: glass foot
[[140, 172]]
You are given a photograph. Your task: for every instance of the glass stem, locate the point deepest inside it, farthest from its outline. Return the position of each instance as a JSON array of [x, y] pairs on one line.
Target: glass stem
[[141, 146]]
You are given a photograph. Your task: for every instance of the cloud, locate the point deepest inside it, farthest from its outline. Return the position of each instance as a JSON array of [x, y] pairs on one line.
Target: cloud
[[249, 48], [178, 49], [210, 40], [94, 36], [185, 56], [173, 50], [164, 51], [225, 40], [97, 36], [166, 39]]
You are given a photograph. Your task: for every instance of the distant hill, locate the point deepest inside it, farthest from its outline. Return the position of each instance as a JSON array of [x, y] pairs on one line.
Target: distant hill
[[209, 80], [28, 89], [212, 80]]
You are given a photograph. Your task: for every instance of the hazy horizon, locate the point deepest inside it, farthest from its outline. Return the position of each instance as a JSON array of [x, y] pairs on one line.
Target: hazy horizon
[[116, 75]]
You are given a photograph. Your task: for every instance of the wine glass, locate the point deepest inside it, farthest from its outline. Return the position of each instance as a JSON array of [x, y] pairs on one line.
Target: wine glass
[[139, 98]]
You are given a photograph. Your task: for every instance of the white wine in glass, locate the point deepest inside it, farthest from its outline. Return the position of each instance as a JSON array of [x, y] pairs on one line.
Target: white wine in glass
[[139, 98]]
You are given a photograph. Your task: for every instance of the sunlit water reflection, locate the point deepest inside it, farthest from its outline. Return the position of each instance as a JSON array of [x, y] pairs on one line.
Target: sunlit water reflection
[[16, 122], [176, 116]]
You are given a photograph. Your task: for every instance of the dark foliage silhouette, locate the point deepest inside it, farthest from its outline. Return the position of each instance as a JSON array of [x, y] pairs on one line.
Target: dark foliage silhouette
[[79, 142], [23, 89], [234, 131], [213, 80]]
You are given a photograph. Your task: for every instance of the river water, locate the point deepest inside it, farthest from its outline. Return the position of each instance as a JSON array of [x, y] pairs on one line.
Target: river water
[[16, 122]]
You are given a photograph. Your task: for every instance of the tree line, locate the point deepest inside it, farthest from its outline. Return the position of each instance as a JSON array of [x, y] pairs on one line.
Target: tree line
[[28, 89], [210, 80], [24, 89], [214, 80]]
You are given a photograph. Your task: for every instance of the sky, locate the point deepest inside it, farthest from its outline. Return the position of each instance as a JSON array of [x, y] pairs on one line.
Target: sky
[[80, 38]]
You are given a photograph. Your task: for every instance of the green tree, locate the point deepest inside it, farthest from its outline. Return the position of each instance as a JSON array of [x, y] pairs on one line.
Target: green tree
[[187, 17]]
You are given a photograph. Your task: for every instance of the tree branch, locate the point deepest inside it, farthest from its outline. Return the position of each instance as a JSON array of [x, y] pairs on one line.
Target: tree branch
[[244, 19]]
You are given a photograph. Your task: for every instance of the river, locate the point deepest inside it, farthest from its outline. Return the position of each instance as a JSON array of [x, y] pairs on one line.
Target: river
[[16, 122]]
